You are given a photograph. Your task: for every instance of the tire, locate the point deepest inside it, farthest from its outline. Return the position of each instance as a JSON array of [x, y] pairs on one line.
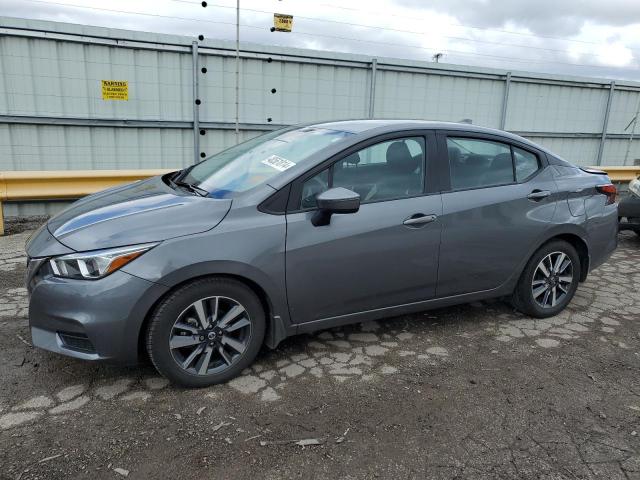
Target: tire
[[176, 331], [543, 306]]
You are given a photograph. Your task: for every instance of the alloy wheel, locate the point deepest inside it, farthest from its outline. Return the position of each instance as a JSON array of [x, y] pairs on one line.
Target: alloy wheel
[[552, 279], [210, 335]]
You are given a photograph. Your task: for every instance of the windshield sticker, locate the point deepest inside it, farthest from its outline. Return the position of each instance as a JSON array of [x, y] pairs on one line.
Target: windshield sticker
[[279, 163]]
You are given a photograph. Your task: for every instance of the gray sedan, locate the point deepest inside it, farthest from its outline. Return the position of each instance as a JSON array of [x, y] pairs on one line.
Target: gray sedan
[[308, 228]]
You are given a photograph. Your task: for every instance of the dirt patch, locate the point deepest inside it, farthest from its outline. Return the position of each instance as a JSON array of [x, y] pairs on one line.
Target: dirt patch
[[13, 225], [475, 391]]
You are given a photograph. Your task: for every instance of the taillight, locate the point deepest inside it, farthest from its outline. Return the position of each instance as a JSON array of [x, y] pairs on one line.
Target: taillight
[[610, 191]]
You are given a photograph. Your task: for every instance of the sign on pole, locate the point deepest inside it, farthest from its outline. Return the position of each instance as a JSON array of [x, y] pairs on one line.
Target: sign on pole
[[282, 23]]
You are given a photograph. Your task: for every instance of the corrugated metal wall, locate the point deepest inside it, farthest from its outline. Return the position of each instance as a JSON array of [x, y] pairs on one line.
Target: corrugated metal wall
[[438, 97], [52, 115]]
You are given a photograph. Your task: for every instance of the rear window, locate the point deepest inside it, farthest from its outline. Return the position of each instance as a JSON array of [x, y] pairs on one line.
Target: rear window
[[526, 163], [476, 163]]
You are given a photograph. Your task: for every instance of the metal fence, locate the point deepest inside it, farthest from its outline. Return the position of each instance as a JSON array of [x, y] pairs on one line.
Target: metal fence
[[181, 99]]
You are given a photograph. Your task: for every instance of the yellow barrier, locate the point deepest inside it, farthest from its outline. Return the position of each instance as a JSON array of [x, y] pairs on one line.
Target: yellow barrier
[[60, 185], [72, 184], [621, 174]]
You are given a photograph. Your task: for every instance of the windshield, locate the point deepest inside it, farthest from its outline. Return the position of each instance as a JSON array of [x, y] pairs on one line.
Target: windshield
[[254, 162]]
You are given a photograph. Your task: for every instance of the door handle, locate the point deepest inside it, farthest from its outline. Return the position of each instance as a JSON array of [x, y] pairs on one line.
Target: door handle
[[419, 219], [538, 195]]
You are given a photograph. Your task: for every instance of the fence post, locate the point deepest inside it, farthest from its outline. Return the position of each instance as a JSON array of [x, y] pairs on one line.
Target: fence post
[[605, 123], [372, 90], [3, 197], [505, 101], [196, 101]]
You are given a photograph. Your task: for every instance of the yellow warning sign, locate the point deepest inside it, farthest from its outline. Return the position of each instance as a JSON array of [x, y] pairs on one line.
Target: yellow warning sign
[[282, 23], [115, 90]]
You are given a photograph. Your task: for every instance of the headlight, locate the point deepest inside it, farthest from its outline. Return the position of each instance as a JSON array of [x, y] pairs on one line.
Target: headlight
[[96, 264], [634, 187]]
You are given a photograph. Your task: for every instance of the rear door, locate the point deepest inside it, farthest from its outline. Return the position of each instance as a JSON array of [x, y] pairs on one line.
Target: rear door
[[380, 256], [501, 198]]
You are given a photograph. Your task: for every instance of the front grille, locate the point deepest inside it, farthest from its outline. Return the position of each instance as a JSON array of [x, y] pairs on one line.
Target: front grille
[[76, 341]]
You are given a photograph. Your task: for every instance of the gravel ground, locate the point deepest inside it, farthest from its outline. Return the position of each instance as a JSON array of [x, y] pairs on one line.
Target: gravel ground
[[476, 391]]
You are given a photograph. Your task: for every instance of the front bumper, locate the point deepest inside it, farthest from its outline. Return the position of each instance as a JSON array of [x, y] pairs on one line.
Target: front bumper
[[91, 319], [629, 209]]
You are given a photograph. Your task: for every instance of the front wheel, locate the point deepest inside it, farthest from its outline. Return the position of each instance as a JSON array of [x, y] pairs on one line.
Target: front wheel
[[549, 281], [206, 332]]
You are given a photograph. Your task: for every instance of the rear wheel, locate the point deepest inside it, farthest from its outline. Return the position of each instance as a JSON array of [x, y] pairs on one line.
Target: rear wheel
[[549, 281], [206, 332]]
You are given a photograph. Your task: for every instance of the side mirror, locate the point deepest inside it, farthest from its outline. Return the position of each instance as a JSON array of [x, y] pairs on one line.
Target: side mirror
[[334, 200]]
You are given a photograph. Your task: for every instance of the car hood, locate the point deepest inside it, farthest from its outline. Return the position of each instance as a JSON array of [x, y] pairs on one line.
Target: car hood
[[142, 212]]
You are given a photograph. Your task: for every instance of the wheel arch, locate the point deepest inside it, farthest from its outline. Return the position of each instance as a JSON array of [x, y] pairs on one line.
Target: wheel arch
[[581, 247], [574, 236], [277, 328]]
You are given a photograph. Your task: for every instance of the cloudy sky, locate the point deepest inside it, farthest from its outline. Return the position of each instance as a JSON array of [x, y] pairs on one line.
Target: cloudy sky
[[580, 37]]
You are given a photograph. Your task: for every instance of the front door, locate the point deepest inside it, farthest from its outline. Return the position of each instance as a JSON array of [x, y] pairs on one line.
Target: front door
[[384, 255]]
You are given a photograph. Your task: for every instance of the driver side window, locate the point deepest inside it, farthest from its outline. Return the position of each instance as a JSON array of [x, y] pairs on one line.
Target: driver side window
[[388, 170], [314, 187]]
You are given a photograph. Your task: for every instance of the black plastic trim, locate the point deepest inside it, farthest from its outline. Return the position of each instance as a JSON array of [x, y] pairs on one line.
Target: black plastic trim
[[78, 342], [276, 204]]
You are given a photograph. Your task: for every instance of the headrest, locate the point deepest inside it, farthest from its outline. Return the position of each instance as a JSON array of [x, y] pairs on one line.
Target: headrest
[[353, 159], [502, 162], [399, 158], [477, 161], [454, 154]]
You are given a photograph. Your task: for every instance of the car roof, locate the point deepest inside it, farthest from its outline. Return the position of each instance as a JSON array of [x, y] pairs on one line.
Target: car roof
[[382, 126]]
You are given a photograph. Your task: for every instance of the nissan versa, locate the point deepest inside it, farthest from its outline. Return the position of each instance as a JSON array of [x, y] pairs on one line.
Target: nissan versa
[[312, 227]]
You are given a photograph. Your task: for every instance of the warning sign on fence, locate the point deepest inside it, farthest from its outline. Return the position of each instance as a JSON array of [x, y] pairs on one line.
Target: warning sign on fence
[[115, 90], [282, 23]]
